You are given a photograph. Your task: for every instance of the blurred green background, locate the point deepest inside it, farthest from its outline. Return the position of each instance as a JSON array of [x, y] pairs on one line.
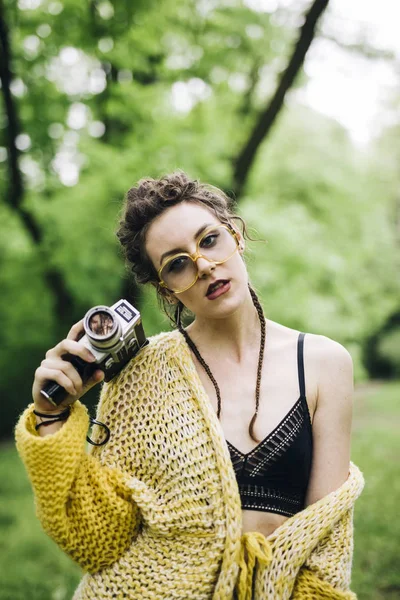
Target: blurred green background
[[245, 95]]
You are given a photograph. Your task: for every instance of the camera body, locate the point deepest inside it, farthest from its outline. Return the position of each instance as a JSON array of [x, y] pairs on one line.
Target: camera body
[[114, 335]]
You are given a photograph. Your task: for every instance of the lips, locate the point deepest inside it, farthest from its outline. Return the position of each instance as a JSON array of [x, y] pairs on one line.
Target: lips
[[215, 285]]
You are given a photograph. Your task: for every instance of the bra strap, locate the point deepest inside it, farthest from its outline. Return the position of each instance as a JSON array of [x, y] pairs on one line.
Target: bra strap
[[300, 364]]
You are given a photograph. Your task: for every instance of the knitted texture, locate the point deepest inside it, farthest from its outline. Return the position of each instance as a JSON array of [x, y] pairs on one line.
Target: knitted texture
[[310, 587], [156, 513], [317, 541], [78, 501]]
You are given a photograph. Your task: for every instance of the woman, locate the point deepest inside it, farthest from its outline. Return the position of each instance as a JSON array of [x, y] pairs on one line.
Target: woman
[[216, 483]]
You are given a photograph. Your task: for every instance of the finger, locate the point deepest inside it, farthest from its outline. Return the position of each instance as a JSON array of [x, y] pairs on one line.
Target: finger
[[69, 346], [93, 380], [59, 377], [76, 331], [67, 368]]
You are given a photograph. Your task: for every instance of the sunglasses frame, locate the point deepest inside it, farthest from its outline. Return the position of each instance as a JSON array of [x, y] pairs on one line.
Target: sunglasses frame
[[198, 254]]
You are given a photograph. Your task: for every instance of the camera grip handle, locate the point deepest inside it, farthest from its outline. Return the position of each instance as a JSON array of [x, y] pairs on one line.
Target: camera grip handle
[[54, 392]]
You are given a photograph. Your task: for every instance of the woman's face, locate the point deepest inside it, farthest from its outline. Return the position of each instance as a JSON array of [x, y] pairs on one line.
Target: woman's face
[[176, 229]]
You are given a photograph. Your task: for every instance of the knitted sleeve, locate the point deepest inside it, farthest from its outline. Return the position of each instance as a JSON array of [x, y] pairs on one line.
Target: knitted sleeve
[[86, 507], [327, 571]]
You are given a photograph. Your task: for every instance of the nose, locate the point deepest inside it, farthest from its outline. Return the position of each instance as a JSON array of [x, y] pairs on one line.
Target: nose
[[204, 267]]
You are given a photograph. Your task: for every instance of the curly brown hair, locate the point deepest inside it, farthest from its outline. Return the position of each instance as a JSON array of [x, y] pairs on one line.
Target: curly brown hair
[[150, 198]]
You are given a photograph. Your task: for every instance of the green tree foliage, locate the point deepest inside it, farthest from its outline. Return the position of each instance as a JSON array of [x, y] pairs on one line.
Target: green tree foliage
[[323, 212]]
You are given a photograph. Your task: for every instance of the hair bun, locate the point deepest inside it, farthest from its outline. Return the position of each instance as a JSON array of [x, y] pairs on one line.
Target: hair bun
[[170, 192], [175, 191]]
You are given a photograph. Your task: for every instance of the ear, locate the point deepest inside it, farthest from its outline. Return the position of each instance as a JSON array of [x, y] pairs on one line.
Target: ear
[[166, 294], [240, 238]]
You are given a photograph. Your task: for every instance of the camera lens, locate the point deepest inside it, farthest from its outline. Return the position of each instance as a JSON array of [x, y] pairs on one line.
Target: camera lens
[[101, 323], [102, 327]]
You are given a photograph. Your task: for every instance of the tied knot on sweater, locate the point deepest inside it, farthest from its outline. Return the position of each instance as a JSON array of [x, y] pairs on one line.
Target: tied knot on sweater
[[254, 546]]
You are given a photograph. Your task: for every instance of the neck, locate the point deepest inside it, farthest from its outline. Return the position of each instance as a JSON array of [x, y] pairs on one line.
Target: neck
[[234, 334]]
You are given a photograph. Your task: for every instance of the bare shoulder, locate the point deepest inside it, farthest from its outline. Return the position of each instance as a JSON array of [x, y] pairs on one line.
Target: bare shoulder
[[319, 349], [328, 365], [332, 368], [327, 352]]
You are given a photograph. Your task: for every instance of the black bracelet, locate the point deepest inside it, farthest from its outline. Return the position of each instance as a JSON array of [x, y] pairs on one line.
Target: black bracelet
[[62, 416], [64, 413], [50, 421], [45, 423]]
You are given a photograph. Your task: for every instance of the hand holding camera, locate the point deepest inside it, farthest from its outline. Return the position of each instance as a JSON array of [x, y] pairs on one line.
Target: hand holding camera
[[56, 368], [97, 347]]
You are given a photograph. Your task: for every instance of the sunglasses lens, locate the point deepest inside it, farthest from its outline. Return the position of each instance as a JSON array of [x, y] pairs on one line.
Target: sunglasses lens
[[180, 272]]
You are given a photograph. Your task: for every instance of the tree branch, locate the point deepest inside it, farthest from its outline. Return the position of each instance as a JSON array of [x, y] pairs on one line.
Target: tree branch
[[15, 194], [243, 163], [248, 96]]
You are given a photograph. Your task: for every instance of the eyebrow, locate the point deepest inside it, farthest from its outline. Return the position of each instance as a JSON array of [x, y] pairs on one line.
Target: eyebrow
[[177, 250]]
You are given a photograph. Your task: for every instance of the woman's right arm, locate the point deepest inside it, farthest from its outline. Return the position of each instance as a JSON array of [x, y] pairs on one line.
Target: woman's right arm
[[86, 507]]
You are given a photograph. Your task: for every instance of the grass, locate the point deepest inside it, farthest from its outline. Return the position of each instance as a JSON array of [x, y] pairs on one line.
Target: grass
[[376, 450], [32, 567]]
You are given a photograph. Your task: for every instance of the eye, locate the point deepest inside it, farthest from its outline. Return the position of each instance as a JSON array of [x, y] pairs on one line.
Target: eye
[[209, 240], [177, 264]]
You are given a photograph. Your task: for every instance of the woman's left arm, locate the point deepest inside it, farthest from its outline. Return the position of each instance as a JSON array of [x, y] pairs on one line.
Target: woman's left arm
[[332, 417]]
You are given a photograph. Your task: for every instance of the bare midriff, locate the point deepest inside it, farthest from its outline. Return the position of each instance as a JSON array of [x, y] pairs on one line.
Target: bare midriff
[[264, 522]]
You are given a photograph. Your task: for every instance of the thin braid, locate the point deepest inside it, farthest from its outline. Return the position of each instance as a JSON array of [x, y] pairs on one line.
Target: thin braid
[[260, 312], [197, 354], [207, 369]]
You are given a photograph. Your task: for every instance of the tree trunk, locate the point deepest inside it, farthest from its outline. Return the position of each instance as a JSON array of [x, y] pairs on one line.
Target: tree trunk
[[14, 196], [245, 158]]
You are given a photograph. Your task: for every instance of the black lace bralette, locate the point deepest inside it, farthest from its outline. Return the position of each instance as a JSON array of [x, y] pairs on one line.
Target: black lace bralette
[[274, 476]]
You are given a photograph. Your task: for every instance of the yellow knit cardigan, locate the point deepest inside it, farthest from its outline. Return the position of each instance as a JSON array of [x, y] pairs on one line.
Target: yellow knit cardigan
[[156, 513]]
